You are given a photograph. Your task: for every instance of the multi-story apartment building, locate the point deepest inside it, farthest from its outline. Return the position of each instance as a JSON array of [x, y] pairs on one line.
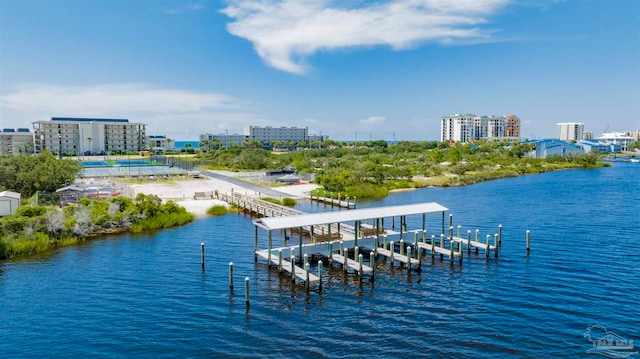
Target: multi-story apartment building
[[512, 126], [570, 131], [89, 135], [266, 135], [469, 127], [16, 142]]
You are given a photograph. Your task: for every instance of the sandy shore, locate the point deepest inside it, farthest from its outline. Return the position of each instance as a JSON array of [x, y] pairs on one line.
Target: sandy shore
[[182, 191]]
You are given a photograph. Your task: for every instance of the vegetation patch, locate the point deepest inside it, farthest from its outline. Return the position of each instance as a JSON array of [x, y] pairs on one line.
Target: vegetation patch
[[289, 202], [217, 210], [35, 229]]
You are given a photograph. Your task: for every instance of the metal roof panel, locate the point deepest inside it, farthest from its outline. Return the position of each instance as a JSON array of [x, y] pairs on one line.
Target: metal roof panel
[[313, 219]]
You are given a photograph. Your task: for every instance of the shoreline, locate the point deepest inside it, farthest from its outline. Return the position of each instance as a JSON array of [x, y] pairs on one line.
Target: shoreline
[[182, 192]]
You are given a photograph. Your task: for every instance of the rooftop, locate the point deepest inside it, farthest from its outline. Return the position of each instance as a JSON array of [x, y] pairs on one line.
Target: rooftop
[[275, 223]]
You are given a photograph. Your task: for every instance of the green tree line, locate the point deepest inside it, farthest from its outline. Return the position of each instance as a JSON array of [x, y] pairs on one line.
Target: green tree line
[[27, 174], [36, 229], [373, 168]]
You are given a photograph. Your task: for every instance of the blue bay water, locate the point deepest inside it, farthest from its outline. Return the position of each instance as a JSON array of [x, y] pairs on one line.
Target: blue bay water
[[183, 144], [147, 296]]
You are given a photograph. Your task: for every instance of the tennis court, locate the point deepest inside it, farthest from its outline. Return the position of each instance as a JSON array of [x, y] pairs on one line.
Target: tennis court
[[128, 168]]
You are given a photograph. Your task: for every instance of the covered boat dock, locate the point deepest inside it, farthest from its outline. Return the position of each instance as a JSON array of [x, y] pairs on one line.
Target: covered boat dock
[[335, 235]]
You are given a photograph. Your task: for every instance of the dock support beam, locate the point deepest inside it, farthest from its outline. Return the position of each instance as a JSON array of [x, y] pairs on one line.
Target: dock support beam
[[255, 245], [372, 262], [269, 248], [320, 276]]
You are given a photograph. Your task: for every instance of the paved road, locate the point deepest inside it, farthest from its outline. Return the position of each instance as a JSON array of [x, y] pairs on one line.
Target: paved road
[[244, 184]]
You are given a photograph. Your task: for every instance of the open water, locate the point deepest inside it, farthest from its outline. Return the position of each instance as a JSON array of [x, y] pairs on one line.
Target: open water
[[147, 296]]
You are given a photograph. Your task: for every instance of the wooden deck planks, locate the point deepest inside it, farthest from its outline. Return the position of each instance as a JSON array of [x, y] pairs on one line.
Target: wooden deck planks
[[351, 263], [286, 266], [397, 256], [438, 249]]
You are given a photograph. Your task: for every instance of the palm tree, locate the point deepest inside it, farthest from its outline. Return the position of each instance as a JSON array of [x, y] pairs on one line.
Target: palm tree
[[90, 149], [169, 141]]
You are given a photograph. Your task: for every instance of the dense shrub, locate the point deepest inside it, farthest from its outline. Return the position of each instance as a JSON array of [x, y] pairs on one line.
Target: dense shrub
[[217, 210]]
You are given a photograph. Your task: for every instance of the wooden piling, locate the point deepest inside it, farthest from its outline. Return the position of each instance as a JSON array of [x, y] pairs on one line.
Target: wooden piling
[[409, 258], [269, 247], [451, 252], [320, 276], [433, 246], [391, 250], [279, 260], [468, 241], [528, 240], [488, 249], [231, 277], [255, 245], [202, 254], [499, 235], [293, 272], [360, 260], [246, 291], [372, 259], [306, 276], [496, 243]]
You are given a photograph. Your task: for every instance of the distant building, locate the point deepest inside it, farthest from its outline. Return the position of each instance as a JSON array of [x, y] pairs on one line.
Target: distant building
[[266, 135], [469, 127], [588, 135], [225, 140], [546, 148], [635, 135], [89, 135], [512, 126], [160, 143], [600, 146], [15, 142], [618, 138], [570, 131]]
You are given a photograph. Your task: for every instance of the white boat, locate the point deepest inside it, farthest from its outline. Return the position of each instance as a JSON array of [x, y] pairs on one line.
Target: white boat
[[634, 160]]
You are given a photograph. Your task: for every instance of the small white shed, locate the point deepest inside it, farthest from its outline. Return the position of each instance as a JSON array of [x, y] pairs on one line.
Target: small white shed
[[9, 202]]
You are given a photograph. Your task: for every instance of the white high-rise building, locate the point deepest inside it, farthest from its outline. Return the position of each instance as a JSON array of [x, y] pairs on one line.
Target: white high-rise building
[[89, 135], [570, 131], [469, 127]]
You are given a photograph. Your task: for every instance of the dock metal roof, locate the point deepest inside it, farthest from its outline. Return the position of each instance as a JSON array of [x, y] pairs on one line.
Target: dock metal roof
[[313, 219]]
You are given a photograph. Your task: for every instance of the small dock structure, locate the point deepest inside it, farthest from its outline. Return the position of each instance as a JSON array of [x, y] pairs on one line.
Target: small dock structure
[[344, 202]]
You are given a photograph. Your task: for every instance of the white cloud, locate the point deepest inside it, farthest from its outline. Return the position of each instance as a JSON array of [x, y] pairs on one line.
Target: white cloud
[[371, 121], [177, 113], [184, 8], [284, 32]]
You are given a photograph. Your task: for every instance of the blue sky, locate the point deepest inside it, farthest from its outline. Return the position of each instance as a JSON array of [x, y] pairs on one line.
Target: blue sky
[[371, 69]]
